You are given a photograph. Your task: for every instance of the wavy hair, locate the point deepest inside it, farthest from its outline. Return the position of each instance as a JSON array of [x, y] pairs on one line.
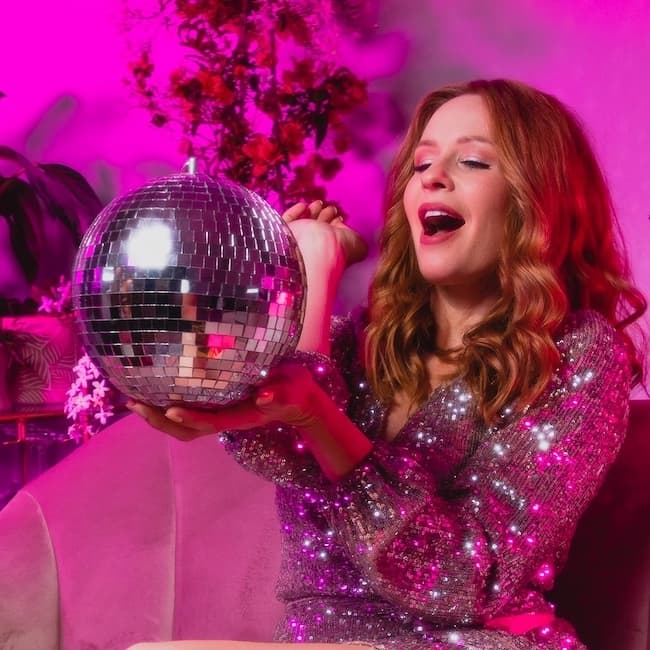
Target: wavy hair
[[562, 251]]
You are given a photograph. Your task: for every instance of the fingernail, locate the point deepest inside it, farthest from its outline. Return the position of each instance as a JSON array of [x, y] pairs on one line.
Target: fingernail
[[174, 417], [264, 397]]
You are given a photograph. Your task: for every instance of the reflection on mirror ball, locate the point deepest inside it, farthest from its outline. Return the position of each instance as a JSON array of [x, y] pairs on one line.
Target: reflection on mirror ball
[[188, 290]]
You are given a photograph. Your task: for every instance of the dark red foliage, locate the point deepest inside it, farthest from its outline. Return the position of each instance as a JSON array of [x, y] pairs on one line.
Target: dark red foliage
[[254, 99]]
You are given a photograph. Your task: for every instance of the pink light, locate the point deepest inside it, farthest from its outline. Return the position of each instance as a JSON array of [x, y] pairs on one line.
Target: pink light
[[284, 298], [217, 343]]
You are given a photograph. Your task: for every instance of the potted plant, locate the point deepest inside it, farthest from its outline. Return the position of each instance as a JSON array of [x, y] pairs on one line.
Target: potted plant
[[44, 212], [45, 209]]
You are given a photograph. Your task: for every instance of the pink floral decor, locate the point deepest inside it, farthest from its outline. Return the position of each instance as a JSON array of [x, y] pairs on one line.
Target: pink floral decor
[[258, 95], [55, 300], [90, 401]]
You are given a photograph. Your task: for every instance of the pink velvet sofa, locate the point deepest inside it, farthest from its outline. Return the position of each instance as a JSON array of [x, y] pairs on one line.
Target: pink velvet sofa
[[136, 536]]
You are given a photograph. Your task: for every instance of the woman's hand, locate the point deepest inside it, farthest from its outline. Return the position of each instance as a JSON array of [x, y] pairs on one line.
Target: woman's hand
[[320, 230], [327, 246], [290, 395]]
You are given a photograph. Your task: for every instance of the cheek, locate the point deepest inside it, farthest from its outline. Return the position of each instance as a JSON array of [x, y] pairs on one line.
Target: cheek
[[491, 206], [496, 203], [407, 198], [411, 201], [494, 233]]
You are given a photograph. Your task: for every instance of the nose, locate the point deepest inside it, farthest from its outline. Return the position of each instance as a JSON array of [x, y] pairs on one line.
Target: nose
[[435, 176]]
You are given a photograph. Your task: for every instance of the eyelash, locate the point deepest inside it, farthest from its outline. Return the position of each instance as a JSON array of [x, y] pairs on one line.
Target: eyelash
[[475, 164], [469, 162]]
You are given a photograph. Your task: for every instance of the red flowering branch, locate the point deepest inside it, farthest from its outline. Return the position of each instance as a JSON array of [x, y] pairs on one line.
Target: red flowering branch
[[254, 96]]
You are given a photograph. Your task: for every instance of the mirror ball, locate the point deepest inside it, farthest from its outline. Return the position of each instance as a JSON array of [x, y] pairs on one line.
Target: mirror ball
[[188, 290]]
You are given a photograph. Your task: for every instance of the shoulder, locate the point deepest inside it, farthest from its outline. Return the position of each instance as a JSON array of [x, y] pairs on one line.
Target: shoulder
[[594, 356], [587, 331]]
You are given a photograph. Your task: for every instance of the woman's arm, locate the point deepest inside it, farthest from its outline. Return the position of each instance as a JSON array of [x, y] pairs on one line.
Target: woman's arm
[[337, 444], [463, 550], [327, 247], [264, 433]]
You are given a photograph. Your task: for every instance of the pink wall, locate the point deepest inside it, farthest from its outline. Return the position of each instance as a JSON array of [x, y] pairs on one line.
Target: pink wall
[[64, 65]]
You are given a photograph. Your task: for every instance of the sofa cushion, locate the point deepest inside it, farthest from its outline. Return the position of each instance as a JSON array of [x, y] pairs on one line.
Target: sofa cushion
[[605, 587]]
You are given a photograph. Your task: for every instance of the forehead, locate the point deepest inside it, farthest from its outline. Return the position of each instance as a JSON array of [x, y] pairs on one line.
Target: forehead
[[466, 115]]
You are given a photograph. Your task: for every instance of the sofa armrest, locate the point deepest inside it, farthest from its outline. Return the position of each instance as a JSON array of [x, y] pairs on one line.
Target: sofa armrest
[[29, 607]]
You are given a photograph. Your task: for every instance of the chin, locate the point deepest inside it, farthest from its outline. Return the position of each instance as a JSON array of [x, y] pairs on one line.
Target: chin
[[436, 277]]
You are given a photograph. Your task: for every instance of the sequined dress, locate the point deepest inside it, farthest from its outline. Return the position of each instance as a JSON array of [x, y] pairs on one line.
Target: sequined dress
[[452, 524]]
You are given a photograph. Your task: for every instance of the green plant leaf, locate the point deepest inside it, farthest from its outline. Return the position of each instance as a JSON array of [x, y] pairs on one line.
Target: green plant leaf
[[63, 192], [20, 207], [78, 200], [9, 154]]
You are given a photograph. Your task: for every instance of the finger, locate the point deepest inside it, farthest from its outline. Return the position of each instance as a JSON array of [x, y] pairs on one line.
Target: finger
[[156, 418], [239, 416], [315, 207], [264, 397], [279, 402], [328, 213], [295, 212]]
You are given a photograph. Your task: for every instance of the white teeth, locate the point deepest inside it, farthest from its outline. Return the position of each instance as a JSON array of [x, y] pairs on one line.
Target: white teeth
[[436, 213]]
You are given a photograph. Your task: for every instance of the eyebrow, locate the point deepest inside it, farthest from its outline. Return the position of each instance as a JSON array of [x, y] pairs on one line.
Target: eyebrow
[[462, 140]]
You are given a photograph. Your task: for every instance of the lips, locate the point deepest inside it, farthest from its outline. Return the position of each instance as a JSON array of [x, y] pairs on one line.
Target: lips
[[436, 218]]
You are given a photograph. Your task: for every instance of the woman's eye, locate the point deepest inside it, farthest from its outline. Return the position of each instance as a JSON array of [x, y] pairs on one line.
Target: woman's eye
[[474, 163], [420, 167]]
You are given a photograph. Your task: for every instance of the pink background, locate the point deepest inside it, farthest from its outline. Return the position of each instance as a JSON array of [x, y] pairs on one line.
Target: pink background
[[64, 70]]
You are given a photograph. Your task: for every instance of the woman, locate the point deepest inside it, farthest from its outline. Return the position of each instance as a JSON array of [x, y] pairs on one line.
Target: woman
[[428, 499]]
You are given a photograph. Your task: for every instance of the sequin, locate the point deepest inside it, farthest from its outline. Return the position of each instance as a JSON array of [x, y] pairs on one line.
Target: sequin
[[452, 523]]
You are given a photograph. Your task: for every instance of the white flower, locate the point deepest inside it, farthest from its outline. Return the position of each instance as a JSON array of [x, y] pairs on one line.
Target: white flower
[[73, 390], [104, 414], [86, 371], [59, 300], [47, 305], [95, 405], [76, 404], [74, 431], [99, 389]]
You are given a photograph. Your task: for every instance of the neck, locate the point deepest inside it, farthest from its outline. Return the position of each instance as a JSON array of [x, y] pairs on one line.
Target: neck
[[459, 308]]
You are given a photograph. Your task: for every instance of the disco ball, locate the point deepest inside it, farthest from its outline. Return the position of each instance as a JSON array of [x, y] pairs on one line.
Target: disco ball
[[188, 290]]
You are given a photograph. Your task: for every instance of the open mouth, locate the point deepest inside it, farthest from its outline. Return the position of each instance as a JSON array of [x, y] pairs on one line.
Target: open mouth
[[435, 221]]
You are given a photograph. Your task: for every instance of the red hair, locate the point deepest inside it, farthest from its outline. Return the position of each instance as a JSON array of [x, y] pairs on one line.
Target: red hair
[[562, 252]]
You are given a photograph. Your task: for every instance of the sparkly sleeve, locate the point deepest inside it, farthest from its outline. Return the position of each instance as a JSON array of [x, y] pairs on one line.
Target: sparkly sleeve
[[463, 549], [276, 452]]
